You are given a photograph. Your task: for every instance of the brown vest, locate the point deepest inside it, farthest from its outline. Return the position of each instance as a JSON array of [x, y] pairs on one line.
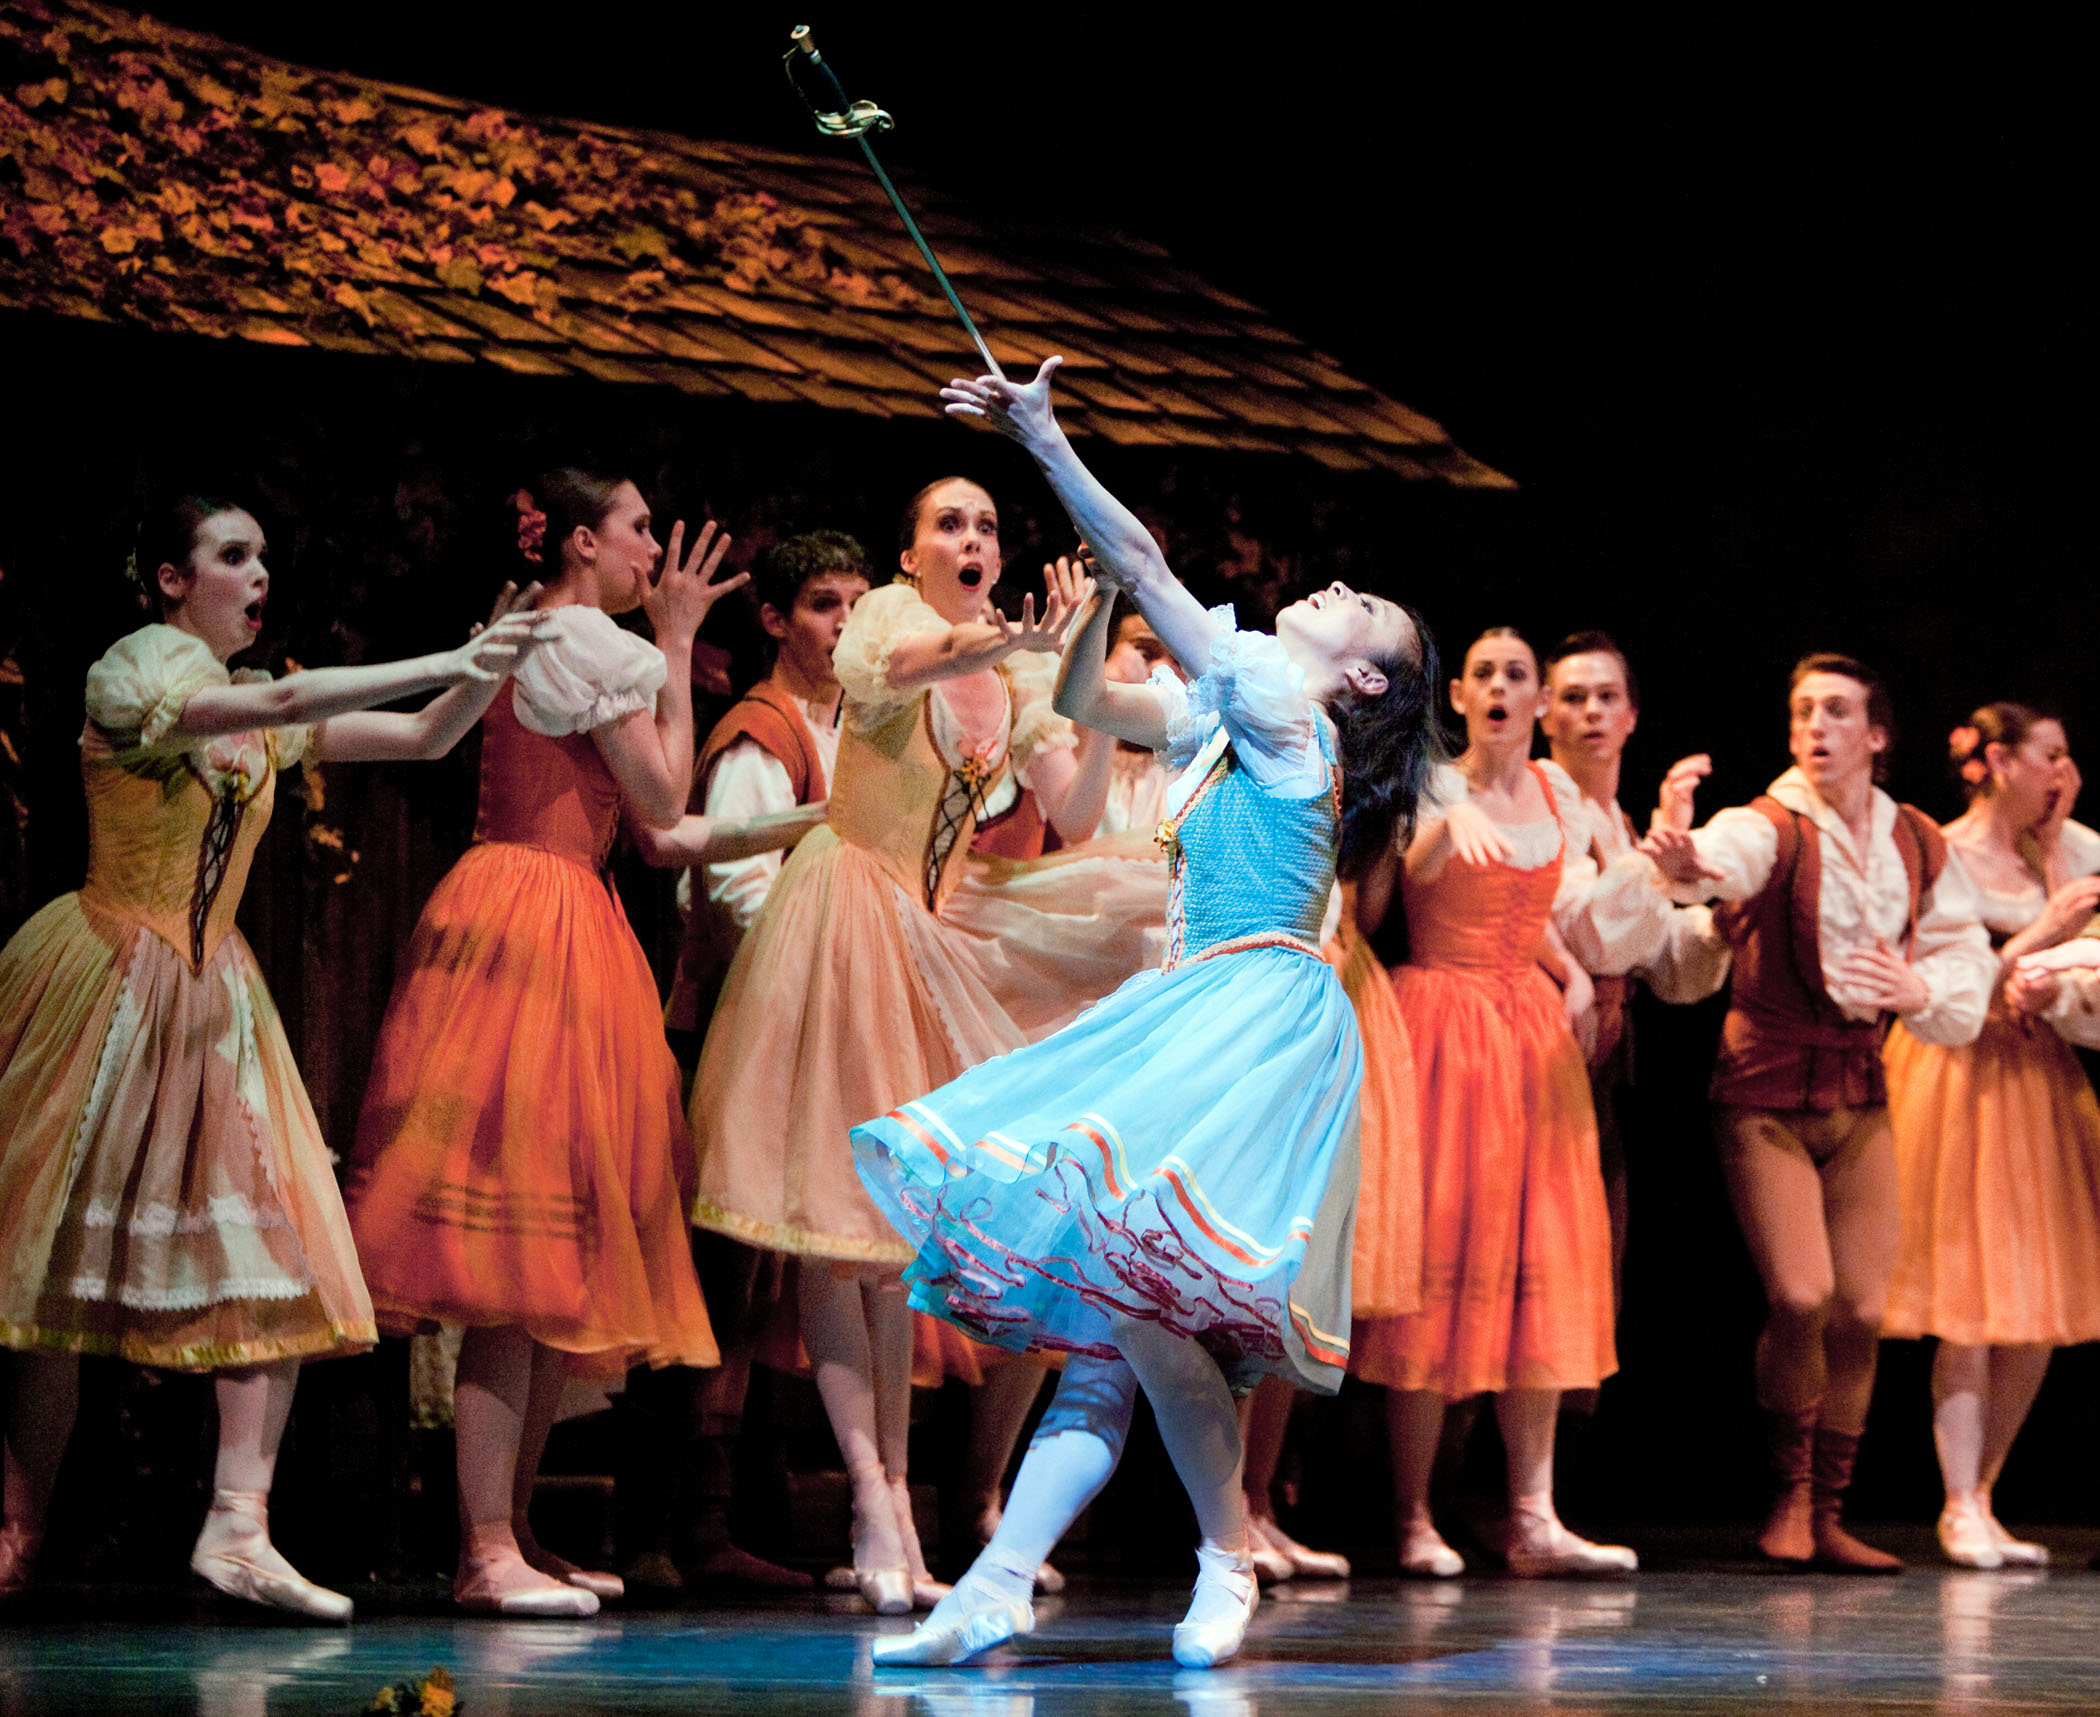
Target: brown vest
[[1785, 1044], [771, 717]]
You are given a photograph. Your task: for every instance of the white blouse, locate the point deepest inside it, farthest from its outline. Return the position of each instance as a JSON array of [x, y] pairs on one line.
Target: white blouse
[[590, 672], [1624, 923]]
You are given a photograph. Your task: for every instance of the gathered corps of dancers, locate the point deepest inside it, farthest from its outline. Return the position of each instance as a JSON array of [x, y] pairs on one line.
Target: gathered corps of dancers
[[1054, 1040]]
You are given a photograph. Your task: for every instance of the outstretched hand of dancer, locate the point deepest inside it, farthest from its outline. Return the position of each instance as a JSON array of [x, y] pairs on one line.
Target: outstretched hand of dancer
[[1066, 591], [685, 587], [1676, 856], [1020, 410], [1474, 837], [526, 629], [500, 647]]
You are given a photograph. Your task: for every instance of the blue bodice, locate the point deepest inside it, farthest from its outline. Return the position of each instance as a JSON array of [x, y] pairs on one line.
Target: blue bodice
[[1249, 865]]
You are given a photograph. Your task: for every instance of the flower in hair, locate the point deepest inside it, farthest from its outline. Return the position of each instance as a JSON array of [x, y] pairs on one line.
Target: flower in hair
[[1975, 771], [532, 525], [1962, 741]]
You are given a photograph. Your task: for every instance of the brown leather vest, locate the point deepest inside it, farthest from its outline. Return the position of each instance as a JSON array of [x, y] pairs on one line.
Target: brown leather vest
[[770, 716], [1785, 1043]]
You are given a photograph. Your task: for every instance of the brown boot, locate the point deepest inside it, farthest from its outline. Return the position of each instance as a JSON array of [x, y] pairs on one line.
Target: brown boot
[[1790, 1446], [1837, 1549]]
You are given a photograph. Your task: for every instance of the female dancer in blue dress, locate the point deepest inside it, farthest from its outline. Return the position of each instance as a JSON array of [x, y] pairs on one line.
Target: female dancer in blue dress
[[1166, 1189]]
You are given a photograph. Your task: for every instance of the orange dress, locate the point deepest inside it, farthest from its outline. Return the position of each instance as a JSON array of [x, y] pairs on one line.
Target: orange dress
[[1998, 1170], [165, 1193], [522, 1157], [1385, 1276], [1516, 1241]]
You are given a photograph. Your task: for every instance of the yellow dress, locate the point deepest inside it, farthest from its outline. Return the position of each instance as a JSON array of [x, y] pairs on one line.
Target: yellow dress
[[165, 1194], [888, 957]]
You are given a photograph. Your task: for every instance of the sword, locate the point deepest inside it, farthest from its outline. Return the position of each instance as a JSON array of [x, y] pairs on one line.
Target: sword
[[855, 119]]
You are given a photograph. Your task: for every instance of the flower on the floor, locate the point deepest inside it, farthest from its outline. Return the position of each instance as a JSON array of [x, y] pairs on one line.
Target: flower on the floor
[[428, 1696]]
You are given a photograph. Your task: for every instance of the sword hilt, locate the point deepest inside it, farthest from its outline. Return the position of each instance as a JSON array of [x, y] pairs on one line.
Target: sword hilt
[[841, 117]]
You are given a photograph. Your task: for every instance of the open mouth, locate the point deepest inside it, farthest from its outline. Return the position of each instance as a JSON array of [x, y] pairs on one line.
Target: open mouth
[[1316, 599], [254, 612], [970, 577], [1497, 713]]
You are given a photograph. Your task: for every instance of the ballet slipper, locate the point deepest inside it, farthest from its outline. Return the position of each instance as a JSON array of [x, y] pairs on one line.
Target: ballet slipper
[[234, 1554], [1965, 1536], [1837, 1549], [985, 1608], [1540, 1546], [926, 1591], [1271, 1566], [1308, 1563], [1789, 1530], [880, 1573], [600, 1585], [1424, 1554], [653, 1571], [18, 1553], [495, 1578], [726, 1565], [1048, 1580], [2012, 1552], [1219, 1610]]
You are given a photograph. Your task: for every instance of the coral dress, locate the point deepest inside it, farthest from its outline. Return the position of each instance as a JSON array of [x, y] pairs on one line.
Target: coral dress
[[1186, 1151], [522, 1157], [1386, 1277], [165, 1193], [1516, 1273], [889, 957], [1998, 1168]]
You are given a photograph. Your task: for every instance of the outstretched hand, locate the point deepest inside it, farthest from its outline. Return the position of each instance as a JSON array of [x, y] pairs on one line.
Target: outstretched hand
[[686, 588], [1676, 856], [1474, 837], [1017, 409], [2064, 957], [1673, 803], [1065, 592], [500, 646]]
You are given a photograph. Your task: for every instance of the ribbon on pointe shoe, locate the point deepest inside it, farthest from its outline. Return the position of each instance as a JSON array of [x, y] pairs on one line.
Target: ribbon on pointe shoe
[[987, 1607], [1219, 1610], [18, 1551], [494, 1577], [235, 1555]]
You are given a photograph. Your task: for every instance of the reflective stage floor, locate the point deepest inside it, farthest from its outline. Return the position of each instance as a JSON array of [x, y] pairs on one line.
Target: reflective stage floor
[[1667, 1642]]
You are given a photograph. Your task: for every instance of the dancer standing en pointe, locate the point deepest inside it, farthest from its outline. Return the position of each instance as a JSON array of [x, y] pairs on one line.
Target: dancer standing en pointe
[[165, 1193], [889, 957], [1844, 908], [522, 1164], [1166, 1188], [1998, 1141], [1516, 1271]]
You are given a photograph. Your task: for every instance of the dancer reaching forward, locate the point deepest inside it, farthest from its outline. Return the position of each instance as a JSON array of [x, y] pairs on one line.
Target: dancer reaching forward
[[165, 1194], [1171, 1180]]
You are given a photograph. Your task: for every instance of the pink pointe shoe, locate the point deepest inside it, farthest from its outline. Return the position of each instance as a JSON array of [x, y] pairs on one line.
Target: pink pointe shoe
[[1425, 1555], [1303, 1562], [18, 1552], [601, 1586], [234, 1554], [926, 1591], [495, 1579], [879, 1571], [1540, 1546], [2012, 1552]]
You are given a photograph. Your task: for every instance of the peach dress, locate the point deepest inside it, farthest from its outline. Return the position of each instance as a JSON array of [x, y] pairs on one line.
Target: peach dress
[[1998, 1169], [165, 1193], [1516, 1241], [1385, 1276], [888, 957], [522, 1157]]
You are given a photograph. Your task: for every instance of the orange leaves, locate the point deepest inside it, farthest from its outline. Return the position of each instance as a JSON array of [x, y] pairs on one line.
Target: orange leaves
[[332, 179], [34, 95]]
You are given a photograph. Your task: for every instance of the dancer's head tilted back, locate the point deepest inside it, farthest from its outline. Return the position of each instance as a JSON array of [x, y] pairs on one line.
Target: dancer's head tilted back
[[948, 545], [591, 536], [1373, 664], [199, 567]]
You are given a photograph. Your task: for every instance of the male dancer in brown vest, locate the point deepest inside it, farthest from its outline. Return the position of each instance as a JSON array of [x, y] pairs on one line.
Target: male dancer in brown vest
[[1844, 908], [771, 752]]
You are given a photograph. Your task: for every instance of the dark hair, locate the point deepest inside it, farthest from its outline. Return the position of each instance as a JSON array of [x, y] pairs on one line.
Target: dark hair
[[167, 536], [908, 526], [572, 499], [1505, 632], [1592, 643], [781, 571], [1881, 712], [1389, 744], [1991, 724]]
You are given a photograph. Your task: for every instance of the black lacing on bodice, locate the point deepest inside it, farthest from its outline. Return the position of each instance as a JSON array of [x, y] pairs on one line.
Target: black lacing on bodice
[[961, 803], [214, 855]]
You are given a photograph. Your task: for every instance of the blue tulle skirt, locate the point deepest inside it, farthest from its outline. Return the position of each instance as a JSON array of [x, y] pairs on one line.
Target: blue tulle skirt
[[1185, 1151]]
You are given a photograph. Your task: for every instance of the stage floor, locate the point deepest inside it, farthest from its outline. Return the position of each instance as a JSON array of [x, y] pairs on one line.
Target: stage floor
[[1669, 1642]]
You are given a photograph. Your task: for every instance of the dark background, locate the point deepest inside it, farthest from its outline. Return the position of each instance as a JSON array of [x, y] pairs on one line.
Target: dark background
[[1774, 325]]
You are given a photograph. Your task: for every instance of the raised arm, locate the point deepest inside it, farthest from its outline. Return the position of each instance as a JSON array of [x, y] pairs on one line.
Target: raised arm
[[1086, 694], [317, 694], [1121, 546], [652, 757], [382, 736]]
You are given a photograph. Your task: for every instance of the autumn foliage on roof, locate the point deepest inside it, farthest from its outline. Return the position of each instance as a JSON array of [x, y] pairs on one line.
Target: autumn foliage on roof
[[155, 176]]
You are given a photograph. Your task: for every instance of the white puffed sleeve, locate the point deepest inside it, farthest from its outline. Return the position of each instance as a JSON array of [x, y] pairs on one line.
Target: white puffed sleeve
[[589, 673], [1038, 728], [143, 680], [2075, 1013], [1254, 689], [1694, 960], [1952, 953], [1743, 846], [880, 621]]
